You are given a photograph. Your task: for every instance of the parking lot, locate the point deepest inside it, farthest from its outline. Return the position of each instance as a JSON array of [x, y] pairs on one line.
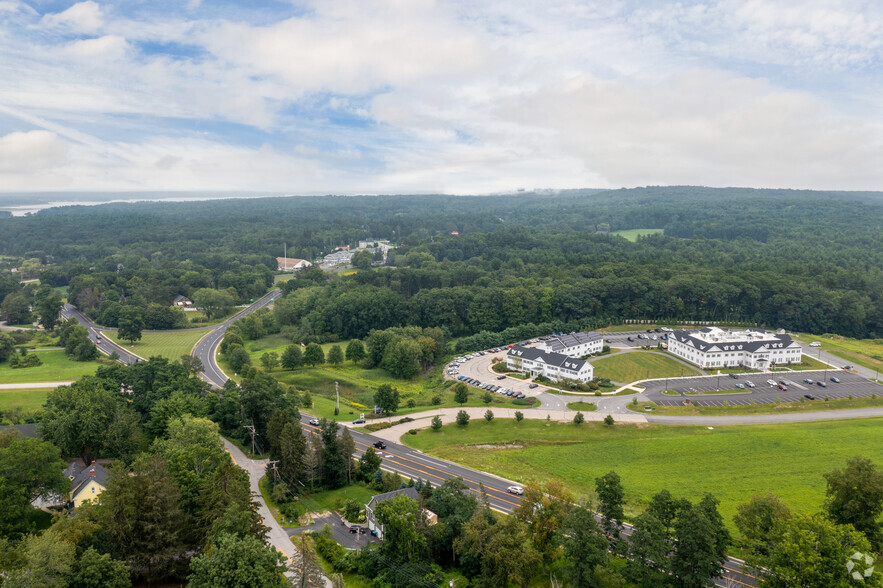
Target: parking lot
[[479, 368], [696, 389]]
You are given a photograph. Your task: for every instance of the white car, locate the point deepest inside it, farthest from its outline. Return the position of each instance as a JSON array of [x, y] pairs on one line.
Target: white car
[[771, 382], [815, 344], [518, 490], [314, 422]]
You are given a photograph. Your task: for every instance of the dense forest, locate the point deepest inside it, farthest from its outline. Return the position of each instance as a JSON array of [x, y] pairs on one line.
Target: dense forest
[[799, 260]]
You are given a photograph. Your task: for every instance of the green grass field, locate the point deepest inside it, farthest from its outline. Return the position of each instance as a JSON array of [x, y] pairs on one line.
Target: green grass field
[[56, 368], [731, 462], [330, 500], [169, 345], [633, 234], [24, 400], [864, 352], [783, 407], [581, 406], [639, 365]]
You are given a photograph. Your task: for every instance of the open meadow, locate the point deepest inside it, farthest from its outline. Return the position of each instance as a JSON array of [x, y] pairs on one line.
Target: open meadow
[[56, 367], [731, 462], [639, 365], [171, 345]]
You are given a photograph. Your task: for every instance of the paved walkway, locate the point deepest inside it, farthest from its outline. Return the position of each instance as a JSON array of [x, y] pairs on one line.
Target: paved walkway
[[449, 415], [32, 385], [277, 537]]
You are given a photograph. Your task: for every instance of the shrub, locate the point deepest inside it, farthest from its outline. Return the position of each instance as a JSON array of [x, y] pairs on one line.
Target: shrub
[[608, 420], [487, 397], [524, 401], [489, 415], [411, 403], [578, 418], [377, 426], [436, 423], [412, 431], [436, 400], [462, 418], [519, 416]]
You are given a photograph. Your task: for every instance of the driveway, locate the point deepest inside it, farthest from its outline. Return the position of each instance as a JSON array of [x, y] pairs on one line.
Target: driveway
[[340, 531]]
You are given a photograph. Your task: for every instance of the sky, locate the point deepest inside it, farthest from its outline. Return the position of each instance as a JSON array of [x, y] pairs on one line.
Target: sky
[[423, 96]]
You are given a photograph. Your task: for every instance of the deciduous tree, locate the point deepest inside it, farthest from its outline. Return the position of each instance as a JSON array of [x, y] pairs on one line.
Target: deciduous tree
[[855, 497], [238, 561], [355, 351]]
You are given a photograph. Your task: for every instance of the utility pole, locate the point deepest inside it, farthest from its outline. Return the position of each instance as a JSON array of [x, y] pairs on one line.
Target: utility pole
[[275, 469], [250, 428], [337, 394]]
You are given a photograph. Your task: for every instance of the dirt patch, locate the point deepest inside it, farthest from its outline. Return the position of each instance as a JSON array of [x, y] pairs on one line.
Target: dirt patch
[[507, 446]]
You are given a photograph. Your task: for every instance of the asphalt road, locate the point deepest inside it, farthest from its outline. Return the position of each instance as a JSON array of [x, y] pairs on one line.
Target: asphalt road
[[207, 347], [106, 346]]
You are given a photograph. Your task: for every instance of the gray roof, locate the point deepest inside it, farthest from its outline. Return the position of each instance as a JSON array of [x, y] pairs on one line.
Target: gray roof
[[781, 342], [180, 297], [572, 340], [409, 492], [548, 357], [82, 475], [27, 430]]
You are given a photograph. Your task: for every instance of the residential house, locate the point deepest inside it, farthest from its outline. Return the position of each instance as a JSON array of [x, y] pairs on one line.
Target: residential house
[[87, 483], [430, 517], [183, 301], [575, 344]]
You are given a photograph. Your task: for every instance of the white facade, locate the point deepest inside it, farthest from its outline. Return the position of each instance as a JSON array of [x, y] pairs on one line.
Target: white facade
[[555, 366], [290, 264], [575, 344], [713, 347]]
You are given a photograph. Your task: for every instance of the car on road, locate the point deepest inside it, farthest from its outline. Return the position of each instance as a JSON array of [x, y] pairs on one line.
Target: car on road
[[809, 396], [835, 379], [501, 377], [783, 387], [848, 367], [517, 490], [734, 376], [822, 384], [749, 383], [771, 382], [532, 386], [380, 444], [314, 422], [815, 344], [631, 338], [98, 339], [359, 422]]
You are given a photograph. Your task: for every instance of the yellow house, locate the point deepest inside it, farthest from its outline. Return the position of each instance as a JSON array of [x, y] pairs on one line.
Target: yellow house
[[86, 482]]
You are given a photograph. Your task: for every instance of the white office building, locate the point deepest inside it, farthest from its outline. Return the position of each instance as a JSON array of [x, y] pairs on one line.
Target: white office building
[[713, 347], [555, 366], [575, 344]]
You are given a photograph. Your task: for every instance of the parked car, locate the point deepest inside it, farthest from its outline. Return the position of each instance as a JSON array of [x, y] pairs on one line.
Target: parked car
[[521, 395], [783, 382], [517, 490], [822, 384], [359, 422], [314, 422], [749, 383], [835, 379], [354, 528], [501, 377], [783, 387], [815, 344], [380, 444], [631, 338], [734, 376], [532, 386], [809, 396], [771, 382], [807, 380], [740, 385]]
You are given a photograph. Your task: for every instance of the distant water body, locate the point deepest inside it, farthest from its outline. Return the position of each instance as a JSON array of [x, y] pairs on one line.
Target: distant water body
[[34, 207]]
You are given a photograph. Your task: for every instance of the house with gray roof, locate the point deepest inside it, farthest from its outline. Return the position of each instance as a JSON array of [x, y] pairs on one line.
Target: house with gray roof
[[555, 366], [575, 344]]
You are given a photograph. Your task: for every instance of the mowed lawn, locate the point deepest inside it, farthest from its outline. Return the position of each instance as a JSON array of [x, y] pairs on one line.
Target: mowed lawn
[[639, 365], [863, 352], [731, 462], [633, 234], [169, 345], [26, 400], [56, 368]]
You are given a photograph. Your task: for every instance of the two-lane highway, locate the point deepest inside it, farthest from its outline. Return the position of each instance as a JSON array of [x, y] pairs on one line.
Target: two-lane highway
[[104, 345], [207, 347]]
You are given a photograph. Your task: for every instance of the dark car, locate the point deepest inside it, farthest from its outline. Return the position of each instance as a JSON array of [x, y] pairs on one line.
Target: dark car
[[631, 338], [354, 529], [783, 382], [809, 396], [835, 379], [734, 376], [532, 386], [359, 422], [380, 445], [822, 384], [501, 377]]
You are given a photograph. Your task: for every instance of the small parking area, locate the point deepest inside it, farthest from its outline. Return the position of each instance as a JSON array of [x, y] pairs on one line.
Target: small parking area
[[340, 532], [699, 390]]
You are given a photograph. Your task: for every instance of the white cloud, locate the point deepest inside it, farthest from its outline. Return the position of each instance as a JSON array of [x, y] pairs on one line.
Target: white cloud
[[22, 152], [83, 17]]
